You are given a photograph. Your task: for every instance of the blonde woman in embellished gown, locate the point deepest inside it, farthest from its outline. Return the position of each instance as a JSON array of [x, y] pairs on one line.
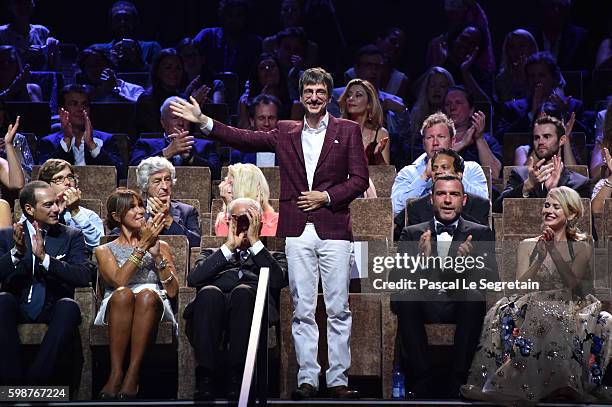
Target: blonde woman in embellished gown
[[553, 343]]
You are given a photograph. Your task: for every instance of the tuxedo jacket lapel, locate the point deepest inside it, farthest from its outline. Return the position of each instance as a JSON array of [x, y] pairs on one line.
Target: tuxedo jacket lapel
[[330, 136]]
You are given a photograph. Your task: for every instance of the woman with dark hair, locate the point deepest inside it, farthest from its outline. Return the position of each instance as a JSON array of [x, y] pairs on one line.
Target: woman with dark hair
[[140, 279], [166, 77], [198, 72], [14, 86], [266, 77]]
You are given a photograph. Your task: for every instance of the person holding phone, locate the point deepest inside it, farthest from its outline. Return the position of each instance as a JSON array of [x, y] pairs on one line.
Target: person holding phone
[[226, 280], [140, 277]]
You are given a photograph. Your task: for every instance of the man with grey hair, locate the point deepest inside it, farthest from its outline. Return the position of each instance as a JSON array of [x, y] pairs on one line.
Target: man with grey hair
[[322, 170], [155, 177], [227, 284], [177, 145]]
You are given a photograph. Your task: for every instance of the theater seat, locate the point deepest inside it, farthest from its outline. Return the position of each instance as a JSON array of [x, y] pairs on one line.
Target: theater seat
[[382, 177]]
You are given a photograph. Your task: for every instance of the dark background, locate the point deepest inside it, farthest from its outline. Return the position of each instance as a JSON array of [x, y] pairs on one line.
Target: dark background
[[86, 22]]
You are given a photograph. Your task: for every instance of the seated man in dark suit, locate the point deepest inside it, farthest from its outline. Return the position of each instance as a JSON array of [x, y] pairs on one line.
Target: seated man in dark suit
[[77, 142], [444, 162], [41, 262], [537, 178], [227, 282], [444, 235], [545, 95], [155, 178], [177, 145]]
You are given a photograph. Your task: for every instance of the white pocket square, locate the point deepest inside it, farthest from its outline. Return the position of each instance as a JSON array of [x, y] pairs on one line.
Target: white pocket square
[[60, 256], [336, 142]]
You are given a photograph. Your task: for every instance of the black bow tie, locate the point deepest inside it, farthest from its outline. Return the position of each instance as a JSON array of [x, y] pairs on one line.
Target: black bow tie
[[450, 229]]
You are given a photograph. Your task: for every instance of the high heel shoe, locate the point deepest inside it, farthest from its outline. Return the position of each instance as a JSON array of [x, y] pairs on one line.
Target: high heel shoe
[[106, 396], [127, 396]]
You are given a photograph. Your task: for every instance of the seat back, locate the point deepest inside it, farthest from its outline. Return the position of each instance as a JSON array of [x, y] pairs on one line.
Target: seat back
[[191, 183], [218, 111], [137, 78], [523, 216], [232, 89], [372, 219], [382, 177]]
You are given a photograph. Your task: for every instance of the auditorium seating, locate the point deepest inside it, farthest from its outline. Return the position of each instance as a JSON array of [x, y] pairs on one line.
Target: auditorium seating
[[382, 177], [35, 117], [112, 117], [372, 219]]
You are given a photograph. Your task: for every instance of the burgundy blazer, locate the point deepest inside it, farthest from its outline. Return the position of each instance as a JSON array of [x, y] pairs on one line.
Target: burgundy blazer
[[342, 171]]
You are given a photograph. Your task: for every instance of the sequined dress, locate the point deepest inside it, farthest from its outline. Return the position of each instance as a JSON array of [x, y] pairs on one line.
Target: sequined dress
[[539, 344], [145, 277]]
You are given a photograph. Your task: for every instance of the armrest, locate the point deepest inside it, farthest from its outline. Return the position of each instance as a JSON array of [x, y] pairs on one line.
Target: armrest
[[86, 299]]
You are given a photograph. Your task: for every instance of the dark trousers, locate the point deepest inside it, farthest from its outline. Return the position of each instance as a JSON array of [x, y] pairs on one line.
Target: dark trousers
[[63, 319], [215, 312], [412, 317]]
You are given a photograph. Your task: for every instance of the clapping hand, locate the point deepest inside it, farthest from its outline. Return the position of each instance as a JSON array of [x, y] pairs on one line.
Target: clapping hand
[[465, 248], [38, 245], [72, 198], [150, 231], [64, 117], [18, 237], [425, 243], [156, 206], [469, 60], [555, 174], [380, 146], [181, 144]]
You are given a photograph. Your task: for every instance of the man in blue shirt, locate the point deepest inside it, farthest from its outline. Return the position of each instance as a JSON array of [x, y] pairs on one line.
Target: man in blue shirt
[[414, 180]]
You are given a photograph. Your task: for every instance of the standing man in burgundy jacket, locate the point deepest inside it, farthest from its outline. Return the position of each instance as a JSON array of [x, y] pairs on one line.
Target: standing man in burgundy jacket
[[322, 170]]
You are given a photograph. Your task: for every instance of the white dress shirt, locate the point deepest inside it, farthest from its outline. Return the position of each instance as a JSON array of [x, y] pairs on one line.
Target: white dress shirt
[[444, 239], [79, 152]]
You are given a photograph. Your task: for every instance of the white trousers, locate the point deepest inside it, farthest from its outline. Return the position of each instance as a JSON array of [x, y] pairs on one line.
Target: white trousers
[[308, 255]]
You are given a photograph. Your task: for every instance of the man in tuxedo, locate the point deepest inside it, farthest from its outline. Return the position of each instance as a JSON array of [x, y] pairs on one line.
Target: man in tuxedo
[[177, 145], [77, 142], [41, 262], [227, 284], [537, 178], [444, 162], [445, 234], [322, 170]]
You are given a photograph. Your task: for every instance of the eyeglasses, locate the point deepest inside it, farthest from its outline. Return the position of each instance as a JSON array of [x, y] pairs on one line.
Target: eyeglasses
[[61, 179], [309, 92]]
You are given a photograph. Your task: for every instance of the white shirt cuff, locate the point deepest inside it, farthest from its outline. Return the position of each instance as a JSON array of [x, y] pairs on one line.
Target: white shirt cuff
[[16, 259], [94, 153], [206, 129], [46, 261], [256, 248], [226, 252]]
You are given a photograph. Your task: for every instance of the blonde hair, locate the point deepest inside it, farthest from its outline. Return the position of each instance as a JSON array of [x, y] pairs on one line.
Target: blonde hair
[[572, 205], [422, 107], [439, 118], [374, 112], [249, 182], [505, 60]]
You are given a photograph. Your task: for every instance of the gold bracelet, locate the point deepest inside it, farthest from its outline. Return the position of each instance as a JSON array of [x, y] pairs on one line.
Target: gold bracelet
[[166, 281], [135, 260]]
